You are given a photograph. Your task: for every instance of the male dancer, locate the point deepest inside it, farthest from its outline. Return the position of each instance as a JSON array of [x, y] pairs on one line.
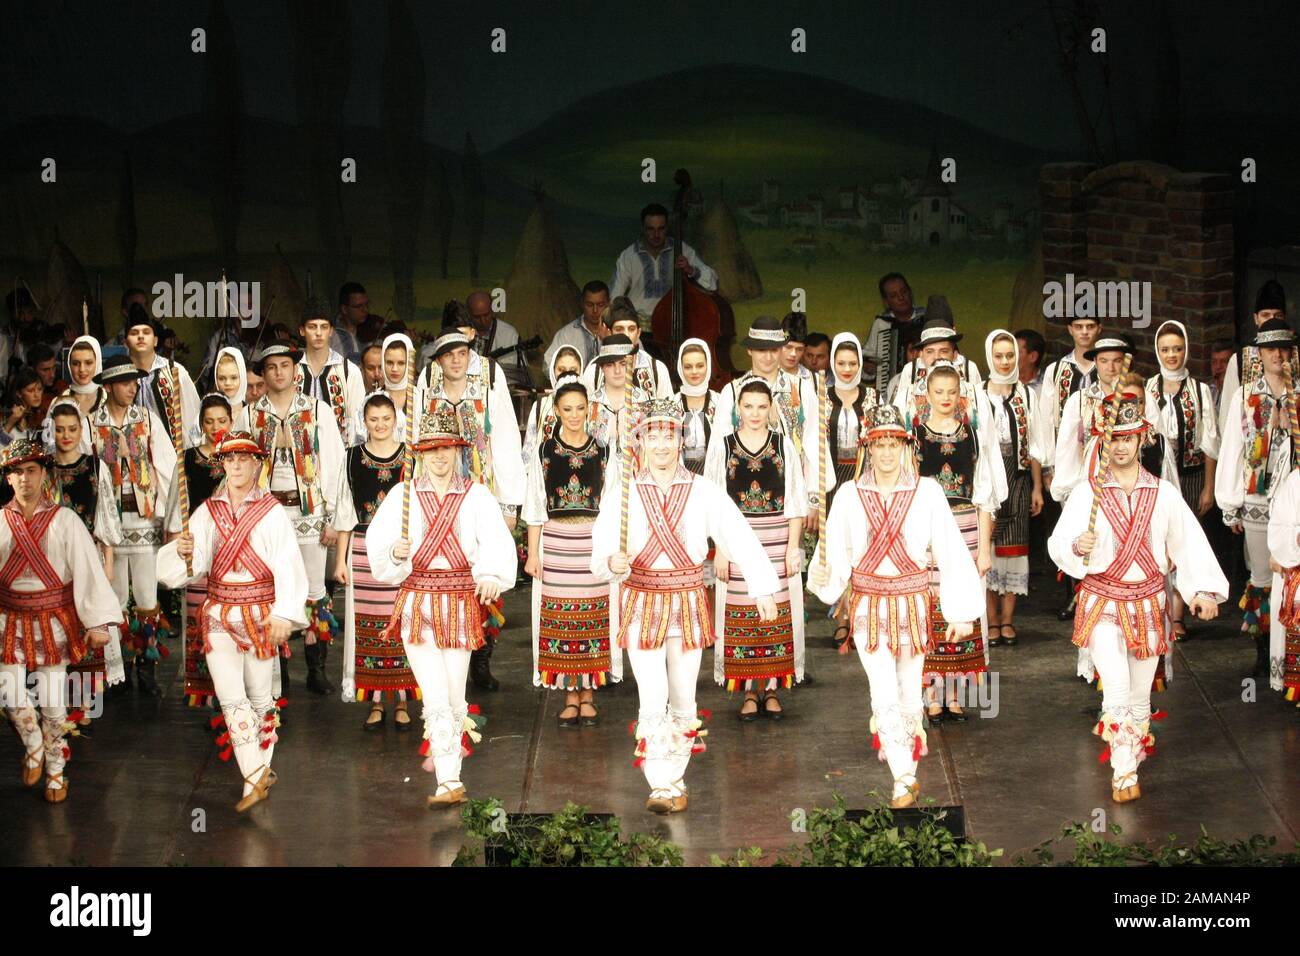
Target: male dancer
[[1257, 454], [257, 589], [878, 543], [301, 439], [155, 393], [487, 417], [665, 617], [55, 605], [455, 555], [1123, 563], [133, 442], [326, 376]]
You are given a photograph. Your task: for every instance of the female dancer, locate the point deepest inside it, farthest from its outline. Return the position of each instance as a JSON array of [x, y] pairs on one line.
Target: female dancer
[[1190, 429], [571, 635], [762, 474], [698, 401], [1018, 424], [949, 449], [203, 474], [372, 662], [850, 403]]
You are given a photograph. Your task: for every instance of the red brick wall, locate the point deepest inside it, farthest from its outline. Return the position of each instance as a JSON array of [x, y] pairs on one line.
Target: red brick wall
[[1144, 222]]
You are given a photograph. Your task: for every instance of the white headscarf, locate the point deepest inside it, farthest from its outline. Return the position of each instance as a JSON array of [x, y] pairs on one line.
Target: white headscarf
[[841, 339], [90, 387], [996, 377], [397, 338], [550, 367], [238, 357], [695, 391], [1180, 373]]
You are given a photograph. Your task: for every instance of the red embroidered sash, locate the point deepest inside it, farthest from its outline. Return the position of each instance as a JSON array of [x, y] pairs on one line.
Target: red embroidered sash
[[912, 582], [662, 597], [1139, 605], [455, 614], [234, 552], [36, 610]]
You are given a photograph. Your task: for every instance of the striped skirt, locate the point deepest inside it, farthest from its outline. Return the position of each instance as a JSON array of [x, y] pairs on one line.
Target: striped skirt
[[751, 652], [371, 661], [964, 657], [572, 648], [199, 691], [1192, 483], [1010, 571]]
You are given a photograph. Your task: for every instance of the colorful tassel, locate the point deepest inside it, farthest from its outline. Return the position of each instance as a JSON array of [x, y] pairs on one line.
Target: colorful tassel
[[225, 754], [1104, 756]]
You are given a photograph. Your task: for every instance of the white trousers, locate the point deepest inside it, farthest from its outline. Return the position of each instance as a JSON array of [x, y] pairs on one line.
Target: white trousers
[[441, 674], [665, 683], [136, 575], [896, 704], [313, 558], [1125, 701], [45, 733], [242, 683]]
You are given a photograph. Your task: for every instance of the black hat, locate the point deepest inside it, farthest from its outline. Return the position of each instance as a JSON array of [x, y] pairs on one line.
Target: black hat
[[614, 348], [452, 338], [139, 315], [455, 315], [1111, 342], [796, 326], [317, 308], [118, 368], [938, 309], [1271, 295], [937, 329], [1275, 333], [272, 351], [765, 333]]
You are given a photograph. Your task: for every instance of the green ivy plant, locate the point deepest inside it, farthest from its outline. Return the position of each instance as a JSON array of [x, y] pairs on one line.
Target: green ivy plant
[[567, 838], [1095, 849], [876, 840]]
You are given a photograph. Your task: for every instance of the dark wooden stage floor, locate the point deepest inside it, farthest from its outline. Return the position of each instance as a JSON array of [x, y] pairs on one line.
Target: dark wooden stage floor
[[353, 798]]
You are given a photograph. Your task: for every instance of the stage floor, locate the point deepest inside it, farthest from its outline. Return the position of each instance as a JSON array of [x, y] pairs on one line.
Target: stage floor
[[148, 774]]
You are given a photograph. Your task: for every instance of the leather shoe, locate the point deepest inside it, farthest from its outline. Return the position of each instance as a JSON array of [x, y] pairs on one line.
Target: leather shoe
[[1067, 612], [448, 798]]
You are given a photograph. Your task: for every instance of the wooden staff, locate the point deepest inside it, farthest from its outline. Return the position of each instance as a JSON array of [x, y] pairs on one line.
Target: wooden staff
[[823, 428], [1103, 460], [408, 459], [182, 480], [627, 476], [1291, 411]]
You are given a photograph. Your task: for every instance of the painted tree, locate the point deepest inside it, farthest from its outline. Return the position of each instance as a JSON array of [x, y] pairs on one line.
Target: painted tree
[[444, 216], [540, 290], [223, 110], [322, 72], [403, 124], [472, 180], [722, 247]]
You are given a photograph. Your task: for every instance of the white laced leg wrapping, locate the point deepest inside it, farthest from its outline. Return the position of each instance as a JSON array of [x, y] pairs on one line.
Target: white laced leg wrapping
[[226, 665], [896, 704], [441, 674], [18, 706], [1126, 700], [666, 678]]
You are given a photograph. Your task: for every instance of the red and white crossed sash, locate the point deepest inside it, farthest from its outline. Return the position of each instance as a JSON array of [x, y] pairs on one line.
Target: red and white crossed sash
[[1139, 605], [453, 609], [439, 536], [234, 552], [910, 582], [36, 610], [661, 598], [663, 513]]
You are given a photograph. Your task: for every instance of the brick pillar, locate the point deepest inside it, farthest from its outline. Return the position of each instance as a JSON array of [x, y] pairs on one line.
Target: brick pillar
[[1201, 268], [1064, 235]]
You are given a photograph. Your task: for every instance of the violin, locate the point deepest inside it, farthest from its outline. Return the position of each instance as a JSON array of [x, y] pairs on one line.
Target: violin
[[689, 312]]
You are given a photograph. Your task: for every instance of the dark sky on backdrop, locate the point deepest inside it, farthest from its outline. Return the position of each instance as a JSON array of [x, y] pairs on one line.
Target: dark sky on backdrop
[[993, 64]]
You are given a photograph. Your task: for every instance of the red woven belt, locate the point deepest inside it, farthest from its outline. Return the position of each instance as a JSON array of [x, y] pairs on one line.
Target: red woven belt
[[241, 592], [890, 584], [28, 602], [436, 580], [665, 579]]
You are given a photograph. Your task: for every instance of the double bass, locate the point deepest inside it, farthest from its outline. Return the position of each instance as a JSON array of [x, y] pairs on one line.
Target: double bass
[[689, 312]]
